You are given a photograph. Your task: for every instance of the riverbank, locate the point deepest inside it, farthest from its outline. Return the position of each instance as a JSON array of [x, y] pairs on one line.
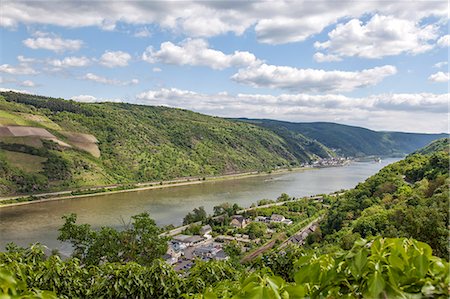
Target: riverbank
[[114, 189]]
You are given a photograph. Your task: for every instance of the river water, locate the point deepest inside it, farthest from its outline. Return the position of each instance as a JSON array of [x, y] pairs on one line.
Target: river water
[[39, 222]]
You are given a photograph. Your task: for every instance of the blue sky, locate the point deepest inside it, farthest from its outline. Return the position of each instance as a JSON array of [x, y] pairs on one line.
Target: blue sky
[[376, 64]]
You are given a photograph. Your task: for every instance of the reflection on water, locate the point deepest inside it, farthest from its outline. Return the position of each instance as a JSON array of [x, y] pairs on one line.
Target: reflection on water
[[40, 221]]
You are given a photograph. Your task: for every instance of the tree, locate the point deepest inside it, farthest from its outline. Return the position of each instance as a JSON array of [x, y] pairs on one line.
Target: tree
[[283, 197], [198, 214], [256, 230], [139, 241]]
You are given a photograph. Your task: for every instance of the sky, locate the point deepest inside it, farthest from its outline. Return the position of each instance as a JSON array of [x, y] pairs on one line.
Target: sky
[[382, 65]]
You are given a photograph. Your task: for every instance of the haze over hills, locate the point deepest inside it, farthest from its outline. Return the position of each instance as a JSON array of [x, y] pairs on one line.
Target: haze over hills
[[55, 144], [349, 140]]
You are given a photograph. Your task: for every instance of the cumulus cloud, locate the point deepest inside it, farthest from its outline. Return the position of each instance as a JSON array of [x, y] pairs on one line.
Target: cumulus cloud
[[320, 57], [52, 42], [156, 69], [104, 80], [21, 69], [71, 61], [311, 80], [439, 77], [115, 59], [84, 98], [273, 22], [444, 41], [197, 52], [410, 111], [380, 36]]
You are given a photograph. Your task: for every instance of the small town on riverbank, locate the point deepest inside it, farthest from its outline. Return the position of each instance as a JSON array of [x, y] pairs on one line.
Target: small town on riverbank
[[244, 234]]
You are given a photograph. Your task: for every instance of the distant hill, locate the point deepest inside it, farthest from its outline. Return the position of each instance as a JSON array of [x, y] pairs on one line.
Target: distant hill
[[347, 140]]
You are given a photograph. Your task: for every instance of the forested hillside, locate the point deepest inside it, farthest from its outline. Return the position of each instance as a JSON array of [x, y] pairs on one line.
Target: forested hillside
[[136, 143], [49, 144], [348, 140], [436, 146]]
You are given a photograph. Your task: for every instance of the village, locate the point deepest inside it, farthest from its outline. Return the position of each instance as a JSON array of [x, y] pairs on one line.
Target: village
[[245, 234]]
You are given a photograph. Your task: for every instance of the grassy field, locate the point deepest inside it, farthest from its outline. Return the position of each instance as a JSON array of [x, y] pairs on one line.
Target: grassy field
[[26, 162], [9, 119]]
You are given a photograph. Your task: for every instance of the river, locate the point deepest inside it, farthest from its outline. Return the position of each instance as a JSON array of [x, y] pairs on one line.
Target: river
[[39, 222]]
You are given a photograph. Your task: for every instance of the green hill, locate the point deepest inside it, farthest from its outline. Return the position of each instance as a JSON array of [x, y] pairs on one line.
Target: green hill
[[348, 140], [136, 143]]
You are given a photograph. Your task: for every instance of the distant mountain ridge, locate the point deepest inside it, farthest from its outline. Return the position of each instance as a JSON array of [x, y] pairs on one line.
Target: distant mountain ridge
[[347, 140], [49, 144]]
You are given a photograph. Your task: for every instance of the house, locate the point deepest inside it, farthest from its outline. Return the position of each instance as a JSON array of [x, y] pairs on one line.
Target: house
[[262, 219], [206, 252], [170, 259], [277, 218], [238, 221], [206, 231], [186, 241]]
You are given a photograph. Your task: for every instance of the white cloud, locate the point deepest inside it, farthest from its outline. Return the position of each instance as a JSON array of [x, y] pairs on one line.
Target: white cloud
[[52, 42], [91, 99], [407, 112], [320, 57], [21, 69], [444, 41], [103, 80], [380, 36], [311, 80], [156, 70], [84, 98], [274, 22], [142, 32], [441, 64], [2, 89], [25, 60], [197, 52], [115, 59], [439, 77], [71, 61], [27, 83]]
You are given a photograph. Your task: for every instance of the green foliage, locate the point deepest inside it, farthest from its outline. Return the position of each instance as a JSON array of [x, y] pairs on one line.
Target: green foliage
[[12, 288], [208, 274], [382, 268], [256, 230], [138, 242], [226, 208], [198, 214], [409, 198], [435, 146]]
